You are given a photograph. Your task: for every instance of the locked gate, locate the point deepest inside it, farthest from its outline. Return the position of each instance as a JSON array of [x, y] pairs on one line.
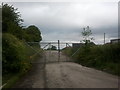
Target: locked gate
[[49, 54], [54, 55]]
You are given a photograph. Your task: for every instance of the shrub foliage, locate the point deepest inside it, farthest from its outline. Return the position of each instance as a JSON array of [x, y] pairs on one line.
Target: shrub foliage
[[103, 57], [14, 54]]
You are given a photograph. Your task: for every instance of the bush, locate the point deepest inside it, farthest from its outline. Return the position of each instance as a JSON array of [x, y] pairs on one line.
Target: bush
[[13, 54], [103, 57]]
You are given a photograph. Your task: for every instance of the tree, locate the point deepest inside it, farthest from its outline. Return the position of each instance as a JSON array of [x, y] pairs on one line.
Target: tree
[[11, 20], [86, 35], [32, 34], [9, 13], [52, 48], [14, 51], [11, 23]]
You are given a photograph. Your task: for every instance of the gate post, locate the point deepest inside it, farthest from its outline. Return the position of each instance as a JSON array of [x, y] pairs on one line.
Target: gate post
[[66, 45], [58, 50]]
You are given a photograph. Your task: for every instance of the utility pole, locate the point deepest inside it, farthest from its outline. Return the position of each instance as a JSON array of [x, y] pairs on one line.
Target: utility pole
[[104, 38]]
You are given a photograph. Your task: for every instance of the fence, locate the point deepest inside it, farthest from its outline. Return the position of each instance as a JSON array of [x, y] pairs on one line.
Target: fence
[[52, 51]]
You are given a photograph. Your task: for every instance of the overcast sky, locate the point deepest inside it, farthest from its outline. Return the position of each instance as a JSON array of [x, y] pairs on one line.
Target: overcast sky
[[65, 21]]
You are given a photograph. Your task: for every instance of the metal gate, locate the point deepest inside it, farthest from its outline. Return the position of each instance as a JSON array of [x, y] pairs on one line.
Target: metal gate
[[54, 56], [49, 55]]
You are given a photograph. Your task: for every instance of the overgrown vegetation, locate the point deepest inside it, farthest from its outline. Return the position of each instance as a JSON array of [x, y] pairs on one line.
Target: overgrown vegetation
[[52, 48], [104, 57], [86, 35], [16, 53]]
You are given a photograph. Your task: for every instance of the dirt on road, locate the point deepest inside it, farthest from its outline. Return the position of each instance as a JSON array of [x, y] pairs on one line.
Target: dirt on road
[[65, 75]]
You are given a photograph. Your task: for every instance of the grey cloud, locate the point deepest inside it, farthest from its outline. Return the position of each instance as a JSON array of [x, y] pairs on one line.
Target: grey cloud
[[65, 20]]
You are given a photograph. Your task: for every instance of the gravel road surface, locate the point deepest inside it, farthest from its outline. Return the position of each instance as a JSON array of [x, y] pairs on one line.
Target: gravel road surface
[[65, 75], [72, 75]]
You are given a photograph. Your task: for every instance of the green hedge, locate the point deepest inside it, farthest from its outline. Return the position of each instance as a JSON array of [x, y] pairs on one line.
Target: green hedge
[[16, 58], [14, 54], [103, 57]]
